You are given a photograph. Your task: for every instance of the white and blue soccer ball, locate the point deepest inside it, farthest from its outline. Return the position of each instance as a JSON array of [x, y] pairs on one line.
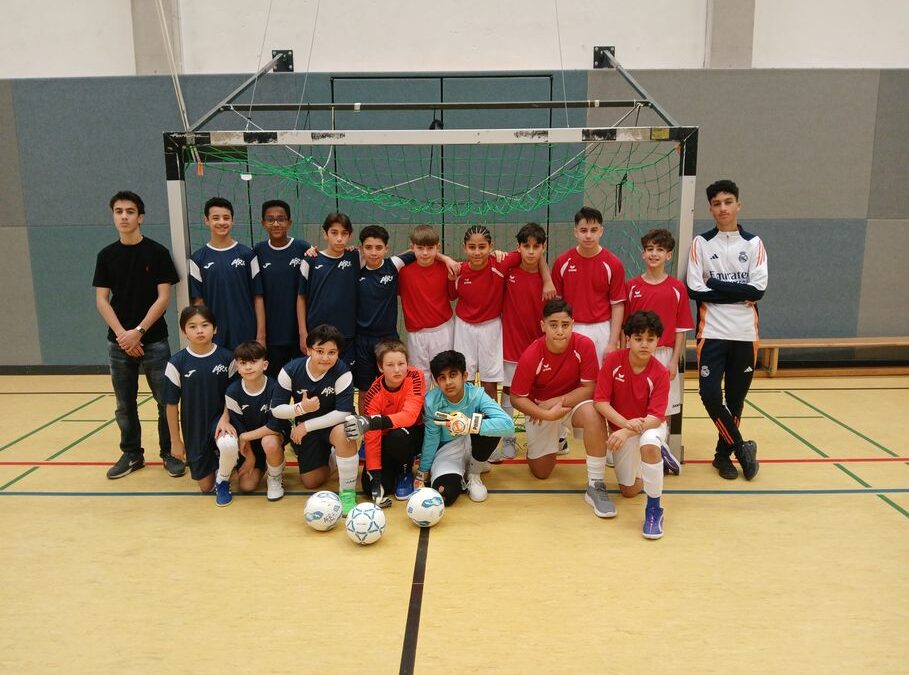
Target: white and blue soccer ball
[[425, 507], [323, 510], [365, 523]]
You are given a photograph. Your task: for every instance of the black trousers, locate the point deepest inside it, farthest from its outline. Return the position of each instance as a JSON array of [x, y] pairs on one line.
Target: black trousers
[[725, 367], [399, 447]]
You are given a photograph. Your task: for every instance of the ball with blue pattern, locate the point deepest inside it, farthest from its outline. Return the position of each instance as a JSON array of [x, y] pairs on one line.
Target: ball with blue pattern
[[425, 507], [365, 524], [322, 510]]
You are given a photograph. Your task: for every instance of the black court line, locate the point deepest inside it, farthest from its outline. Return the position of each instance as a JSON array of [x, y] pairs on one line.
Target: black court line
[[412, 627]]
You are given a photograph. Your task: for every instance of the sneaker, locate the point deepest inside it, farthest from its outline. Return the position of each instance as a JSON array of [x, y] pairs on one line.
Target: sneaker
[[128, 462], [173, 466], [509, 451], [496, 457], [670, 463], [653, 522], [598, 498], [404, 486], [348, 501], [746, 454], [610, 459], [475, 488], [563, 445], [222, 493], [275, 486], [383, 502], [725, 467]]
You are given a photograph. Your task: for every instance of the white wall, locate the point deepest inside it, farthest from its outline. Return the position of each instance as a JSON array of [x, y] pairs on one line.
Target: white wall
[[73, 38], [831, 34]]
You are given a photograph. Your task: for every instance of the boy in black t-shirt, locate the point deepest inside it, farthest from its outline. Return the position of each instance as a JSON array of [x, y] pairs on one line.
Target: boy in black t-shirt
[[132, 284]]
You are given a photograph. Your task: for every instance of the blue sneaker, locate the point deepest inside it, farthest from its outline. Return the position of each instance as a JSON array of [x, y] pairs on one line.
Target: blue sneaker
[[670, 463], [653, 522], [222, 493], [404, 486]]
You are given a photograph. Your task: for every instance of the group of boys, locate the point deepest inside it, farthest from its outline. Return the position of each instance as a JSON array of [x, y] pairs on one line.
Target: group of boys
[[598, 359]]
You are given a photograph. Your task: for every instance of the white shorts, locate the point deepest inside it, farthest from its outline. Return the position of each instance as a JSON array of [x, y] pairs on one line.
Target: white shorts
[[599, 333], [543, 438], [451, 458], [423, 345], [481, 345], [508, 368], [664, 355], [628, 457]]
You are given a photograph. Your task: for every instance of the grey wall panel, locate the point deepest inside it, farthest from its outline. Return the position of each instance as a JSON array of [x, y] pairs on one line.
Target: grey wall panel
[[798, 143], [731, 34], [18, 320], [890, 169], [12, 209], [884, 306]]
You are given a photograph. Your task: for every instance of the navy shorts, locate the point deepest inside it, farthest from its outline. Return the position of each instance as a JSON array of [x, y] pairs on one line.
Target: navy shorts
[[314, 451]]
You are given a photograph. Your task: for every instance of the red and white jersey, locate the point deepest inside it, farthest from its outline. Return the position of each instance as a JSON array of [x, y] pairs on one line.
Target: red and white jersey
[[590, 285], [522, 311], [479, 292], [633, 394], [669, 299], [424, 293], [542, 375]]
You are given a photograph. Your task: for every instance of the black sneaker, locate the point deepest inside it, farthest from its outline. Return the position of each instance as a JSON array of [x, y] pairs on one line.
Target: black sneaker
[[173, 466], [726, 468], [746, 454], [127, 463]]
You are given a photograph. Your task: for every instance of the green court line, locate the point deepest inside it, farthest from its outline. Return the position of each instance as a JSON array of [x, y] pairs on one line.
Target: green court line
[[822, 454], [755, 417], [18, 478], [894, 505], [843, 424], [99, 421], [53, 421]]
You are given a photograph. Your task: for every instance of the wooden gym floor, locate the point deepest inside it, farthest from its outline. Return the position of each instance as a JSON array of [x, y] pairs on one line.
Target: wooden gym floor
[[804, 569]]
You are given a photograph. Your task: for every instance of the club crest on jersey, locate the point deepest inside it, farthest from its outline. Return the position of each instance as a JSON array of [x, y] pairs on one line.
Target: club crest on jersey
[[343, 264], [328, 391], [743, 257], [220, 368], [705, 371], [386, 279], [295, 262], [238, 262]]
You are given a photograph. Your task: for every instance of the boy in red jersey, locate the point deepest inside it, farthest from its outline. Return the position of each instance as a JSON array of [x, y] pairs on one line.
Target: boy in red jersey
[[553, 386], [592, 281], [632, 392], [667, 296]]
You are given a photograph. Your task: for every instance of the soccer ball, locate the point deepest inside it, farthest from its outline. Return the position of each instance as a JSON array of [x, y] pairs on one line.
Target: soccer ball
[[425, 507], [322, 510], [365, 523]]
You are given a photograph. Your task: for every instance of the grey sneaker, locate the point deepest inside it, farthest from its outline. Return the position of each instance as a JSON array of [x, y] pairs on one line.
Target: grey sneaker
[[598, 498], [610, 459], [173, 466], [128, 462]]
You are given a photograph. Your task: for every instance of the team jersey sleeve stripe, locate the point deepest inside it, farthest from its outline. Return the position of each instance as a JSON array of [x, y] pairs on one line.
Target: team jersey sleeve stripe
[[172, 374], [194, 270], [232, 405]]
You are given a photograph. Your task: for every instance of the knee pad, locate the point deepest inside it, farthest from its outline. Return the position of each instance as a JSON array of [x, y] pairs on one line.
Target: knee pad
[[450, 485], [227, 443]]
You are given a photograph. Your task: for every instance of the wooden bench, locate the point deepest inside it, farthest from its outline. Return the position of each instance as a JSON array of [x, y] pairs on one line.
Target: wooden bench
[[769, 348]]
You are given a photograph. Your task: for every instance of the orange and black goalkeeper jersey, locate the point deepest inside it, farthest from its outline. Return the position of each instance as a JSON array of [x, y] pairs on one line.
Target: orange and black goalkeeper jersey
[[401, 408]]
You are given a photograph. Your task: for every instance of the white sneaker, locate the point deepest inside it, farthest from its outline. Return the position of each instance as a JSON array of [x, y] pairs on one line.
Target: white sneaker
[[475, 488], [563, 445], [508, 448], [275, 485], [610, 460], [495, 458]]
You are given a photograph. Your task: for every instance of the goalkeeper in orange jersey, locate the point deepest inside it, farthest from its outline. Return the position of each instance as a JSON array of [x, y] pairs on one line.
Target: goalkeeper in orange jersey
[[463, 426]]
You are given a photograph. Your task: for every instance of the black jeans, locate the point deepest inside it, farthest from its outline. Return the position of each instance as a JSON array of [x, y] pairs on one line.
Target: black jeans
[[124, 374]]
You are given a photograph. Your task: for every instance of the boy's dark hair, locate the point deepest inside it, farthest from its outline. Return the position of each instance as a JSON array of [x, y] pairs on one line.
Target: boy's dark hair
[[197, 310], [588, 213], [337, 218], [271, 203], [325, 333], [482, 230], [719, 186], [531, 231], [555, 306], [249, 351], [127, 196], [218, 201], [374, 231], [447, 360], [643, 322], [659, 237], [424, 235], [388, 346]]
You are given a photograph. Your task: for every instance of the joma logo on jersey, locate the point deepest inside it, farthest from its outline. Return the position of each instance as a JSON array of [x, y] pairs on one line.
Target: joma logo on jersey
[[220, 368], [244, 406], [208, 265], [328, 391], [238, 262], [386, 279], [296, 262], [189, 374], [265, 265], [343, 264]]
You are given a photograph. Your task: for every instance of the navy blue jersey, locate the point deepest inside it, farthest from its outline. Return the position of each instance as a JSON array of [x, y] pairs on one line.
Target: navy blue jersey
[[227, 280], [334, 390], [198, 384], [377, 297], [279, 269], [330, 288], [249, 410]]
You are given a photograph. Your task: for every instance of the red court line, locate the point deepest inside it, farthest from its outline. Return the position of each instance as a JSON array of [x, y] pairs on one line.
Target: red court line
[[807, 460]]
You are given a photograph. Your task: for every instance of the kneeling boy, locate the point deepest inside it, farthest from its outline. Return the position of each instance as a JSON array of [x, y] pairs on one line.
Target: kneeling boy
[[632, 393], [553, 386]]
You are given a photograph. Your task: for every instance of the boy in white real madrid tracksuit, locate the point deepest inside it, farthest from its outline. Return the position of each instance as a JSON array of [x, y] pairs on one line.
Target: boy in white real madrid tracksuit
[[463, 427]]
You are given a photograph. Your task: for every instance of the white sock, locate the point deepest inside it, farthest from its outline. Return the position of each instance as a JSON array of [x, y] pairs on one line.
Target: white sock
[[652, 475], [275, 471], [347, 472], [475, 466], [506, 404], [596, 469], [228, 452]]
